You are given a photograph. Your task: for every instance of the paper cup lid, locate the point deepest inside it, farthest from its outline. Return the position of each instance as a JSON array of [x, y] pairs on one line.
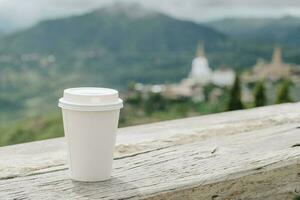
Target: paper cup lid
[[90, 99]]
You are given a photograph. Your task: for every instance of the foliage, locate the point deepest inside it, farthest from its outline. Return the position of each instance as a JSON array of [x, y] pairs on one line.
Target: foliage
[[32, 129], [137, 110], [296, 198], [259, 94], [235, 102], [155, 102], [283, 92]]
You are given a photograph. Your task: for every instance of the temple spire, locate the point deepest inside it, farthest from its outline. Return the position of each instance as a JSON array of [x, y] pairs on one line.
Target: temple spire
[[276, 58], [200, 50]]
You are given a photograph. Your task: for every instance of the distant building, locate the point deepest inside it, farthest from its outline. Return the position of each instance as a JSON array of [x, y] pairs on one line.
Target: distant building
[[269, 72], [200, 72], [223, 77], [274, 70], [200, 75]]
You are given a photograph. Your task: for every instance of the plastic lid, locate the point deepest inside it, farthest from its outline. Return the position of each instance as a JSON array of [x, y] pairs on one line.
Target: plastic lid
[[90, 99]]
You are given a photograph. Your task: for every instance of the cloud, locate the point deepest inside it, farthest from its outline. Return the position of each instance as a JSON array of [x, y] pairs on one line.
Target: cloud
[[20, 13], [24, 13], [203, 10]]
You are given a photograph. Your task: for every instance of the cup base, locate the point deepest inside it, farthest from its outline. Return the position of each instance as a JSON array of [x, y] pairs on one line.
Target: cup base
[[89, 180]]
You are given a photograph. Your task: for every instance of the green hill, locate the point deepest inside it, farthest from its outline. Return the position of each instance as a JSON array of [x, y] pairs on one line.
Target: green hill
[[282, 30], [121, 42], [108, 47], [115, 30]]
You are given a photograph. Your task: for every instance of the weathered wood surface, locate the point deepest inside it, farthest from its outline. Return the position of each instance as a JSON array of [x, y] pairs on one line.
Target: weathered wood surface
[[250, 154]]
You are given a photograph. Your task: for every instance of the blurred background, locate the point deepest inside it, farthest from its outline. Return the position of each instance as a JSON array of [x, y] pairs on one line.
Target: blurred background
[[168, 58]]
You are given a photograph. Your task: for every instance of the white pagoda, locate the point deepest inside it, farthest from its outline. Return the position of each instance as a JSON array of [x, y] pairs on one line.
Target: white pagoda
[[200, 72]]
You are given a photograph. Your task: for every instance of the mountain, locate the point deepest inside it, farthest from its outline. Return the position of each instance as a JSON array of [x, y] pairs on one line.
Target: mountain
[[281, 30], [116, 37], [108, 47], [238, 27], [121, 29]]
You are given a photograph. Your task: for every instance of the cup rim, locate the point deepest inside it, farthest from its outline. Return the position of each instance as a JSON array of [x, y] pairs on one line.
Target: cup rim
[[90, 99], [81, 91], [62, 103]]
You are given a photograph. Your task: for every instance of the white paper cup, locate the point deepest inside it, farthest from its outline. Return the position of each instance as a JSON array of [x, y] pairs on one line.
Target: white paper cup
[[90, 117]]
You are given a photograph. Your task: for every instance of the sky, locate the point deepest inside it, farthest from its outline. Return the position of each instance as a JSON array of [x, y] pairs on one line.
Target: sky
[[20, 13]]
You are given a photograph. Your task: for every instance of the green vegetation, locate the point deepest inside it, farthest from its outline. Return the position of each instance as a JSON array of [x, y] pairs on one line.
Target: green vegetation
[[153, 107], [137, 110], [296, 198], [32, 129], [283, 92], [235, 102], [259, 94]]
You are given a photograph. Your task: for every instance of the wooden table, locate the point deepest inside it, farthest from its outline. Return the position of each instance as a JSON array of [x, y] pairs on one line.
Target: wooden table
[[248, 154]]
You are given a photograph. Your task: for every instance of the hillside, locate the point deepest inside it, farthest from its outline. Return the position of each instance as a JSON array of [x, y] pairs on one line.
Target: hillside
[[111, 30], [116, 38], [110, 47], [107, 47], [281, 30]]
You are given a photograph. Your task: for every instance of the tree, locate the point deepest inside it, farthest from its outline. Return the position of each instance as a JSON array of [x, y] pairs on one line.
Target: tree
[[259, 94], [283, 92], [235, 102], [135, 99], [131, 85], [296, 198], [155, 102]]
